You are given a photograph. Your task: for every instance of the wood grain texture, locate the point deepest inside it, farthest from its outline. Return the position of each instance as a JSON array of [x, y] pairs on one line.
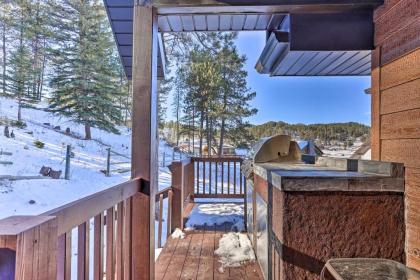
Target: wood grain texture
[[400, 98], [397, 17], [98, 247], [401, 42], [384, 8], [401, 125], [375, 114], [142, 243], [401, 71], [413, 246], [402, 150], [110, 244], [83, 251]]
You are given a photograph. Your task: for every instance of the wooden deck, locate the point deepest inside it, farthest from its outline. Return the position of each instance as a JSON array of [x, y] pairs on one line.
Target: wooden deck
[[193, 258]]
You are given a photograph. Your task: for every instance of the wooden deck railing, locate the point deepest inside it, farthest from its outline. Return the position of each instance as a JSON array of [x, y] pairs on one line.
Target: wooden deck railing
[[40, 247], [160, 196], [218, 177]]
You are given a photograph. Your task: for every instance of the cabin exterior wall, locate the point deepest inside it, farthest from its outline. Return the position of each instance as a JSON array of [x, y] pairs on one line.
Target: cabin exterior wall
[[396, 104]]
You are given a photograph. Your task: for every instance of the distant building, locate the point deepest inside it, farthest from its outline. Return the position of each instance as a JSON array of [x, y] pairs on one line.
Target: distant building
[[308, 147], [363, 152]]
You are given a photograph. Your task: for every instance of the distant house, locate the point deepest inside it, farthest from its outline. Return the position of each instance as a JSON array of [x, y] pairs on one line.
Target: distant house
[[363, 152], [308, 147]]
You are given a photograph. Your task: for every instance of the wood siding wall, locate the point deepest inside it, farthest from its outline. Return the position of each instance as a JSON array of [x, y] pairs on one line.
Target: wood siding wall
[[396, 104]]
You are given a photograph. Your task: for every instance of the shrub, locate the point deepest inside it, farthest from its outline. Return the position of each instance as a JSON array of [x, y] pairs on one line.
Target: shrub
[[19, 124], [39, 144]]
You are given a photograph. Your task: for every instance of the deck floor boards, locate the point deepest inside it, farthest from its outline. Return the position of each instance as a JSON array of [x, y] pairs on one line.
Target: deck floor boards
[[193, 258]]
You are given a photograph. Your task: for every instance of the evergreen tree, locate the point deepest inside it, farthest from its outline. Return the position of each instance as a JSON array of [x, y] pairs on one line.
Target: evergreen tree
[[84, 83]]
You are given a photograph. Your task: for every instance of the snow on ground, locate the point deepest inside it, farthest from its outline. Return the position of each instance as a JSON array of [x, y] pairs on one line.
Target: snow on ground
[[234, 250], [217, 214], [339, 151], [85, 176]]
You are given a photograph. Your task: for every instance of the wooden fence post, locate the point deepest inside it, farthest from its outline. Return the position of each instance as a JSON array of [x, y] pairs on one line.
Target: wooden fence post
[[108, 162], [68, 156]]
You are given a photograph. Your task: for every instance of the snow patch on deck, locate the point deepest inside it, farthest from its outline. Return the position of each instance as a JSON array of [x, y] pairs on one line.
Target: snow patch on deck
[[234, 250], [209, 214]]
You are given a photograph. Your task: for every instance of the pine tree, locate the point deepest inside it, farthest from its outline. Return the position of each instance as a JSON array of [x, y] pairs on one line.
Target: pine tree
[[85, 83]]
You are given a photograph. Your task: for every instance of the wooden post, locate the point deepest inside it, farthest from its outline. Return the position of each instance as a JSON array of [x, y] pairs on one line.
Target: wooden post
[[34, 239], [108, 162], [144, 138], [177, 201], [67, 170]]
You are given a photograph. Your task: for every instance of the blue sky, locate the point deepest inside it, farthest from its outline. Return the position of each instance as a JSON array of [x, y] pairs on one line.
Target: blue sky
[[301, 99]]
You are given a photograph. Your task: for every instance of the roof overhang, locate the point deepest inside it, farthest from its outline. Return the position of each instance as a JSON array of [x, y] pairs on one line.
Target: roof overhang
[[319, 45], [310, 43]]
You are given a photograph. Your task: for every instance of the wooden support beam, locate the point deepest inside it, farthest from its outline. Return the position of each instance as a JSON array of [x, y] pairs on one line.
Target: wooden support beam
[[144, 138]]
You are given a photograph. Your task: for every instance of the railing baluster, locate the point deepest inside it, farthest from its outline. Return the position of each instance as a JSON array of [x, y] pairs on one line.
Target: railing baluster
[[204, 176], [209, 177], [228, 177], [110, 244], [83, 251], [127, 255], [240, 177], [98, 247], [169, 220], [223, 176], [198, 177], [215, 178], [160, 221], [119, 270], [234, 177], [64, 257]]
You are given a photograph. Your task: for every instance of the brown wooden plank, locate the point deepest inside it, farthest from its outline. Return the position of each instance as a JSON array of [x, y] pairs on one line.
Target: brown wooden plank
[[396, 18], [401, 98], [228, 177], [413, 245], [98, 247], [400, 125], [401, 42], [192, 261], [210, 177], [178, 259], [404, 151], [240, 178], [64, 257], [205, 267], [217, 271], [375, 114], [110, 244], [119, 261], [127, 256], [222, 178], [216, 176], [234, 178], [169, 215], [219, 195], [160, 221], [144, 134], [165, 257], [198, 177], [142, 243], [204, 176], [401, 71], [83, 251], [384, 8]]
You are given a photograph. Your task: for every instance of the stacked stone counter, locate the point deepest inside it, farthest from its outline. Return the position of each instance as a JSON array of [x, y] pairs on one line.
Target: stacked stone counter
[[300, 215]]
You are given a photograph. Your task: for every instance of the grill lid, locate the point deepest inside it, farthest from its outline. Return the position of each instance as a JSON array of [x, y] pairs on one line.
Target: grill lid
[[271, 149]]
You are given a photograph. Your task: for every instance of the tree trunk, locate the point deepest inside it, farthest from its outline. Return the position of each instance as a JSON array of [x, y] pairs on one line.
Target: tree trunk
[[4, 58], [222, 136], [88, 134], [201, 132]]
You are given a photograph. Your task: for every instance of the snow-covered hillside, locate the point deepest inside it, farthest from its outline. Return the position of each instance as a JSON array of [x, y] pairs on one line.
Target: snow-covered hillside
[[39, 195]]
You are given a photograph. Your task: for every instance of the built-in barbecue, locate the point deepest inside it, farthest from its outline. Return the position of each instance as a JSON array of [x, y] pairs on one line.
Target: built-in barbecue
[[299, 215]]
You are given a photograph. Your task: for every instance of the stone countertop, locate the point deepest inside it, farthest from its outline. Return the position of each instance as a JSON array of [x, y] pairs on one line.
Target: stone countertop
[[298, 176], [366, 268]]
